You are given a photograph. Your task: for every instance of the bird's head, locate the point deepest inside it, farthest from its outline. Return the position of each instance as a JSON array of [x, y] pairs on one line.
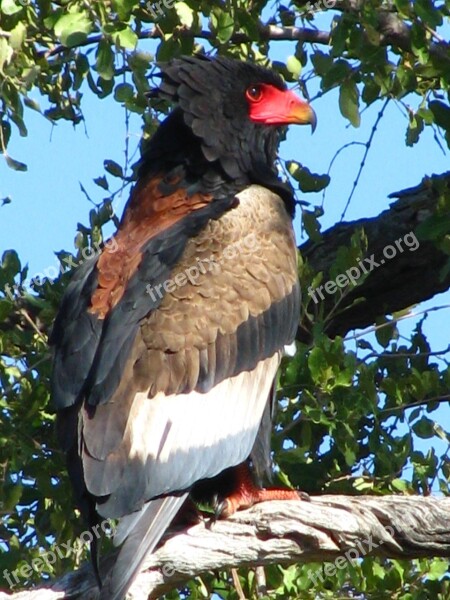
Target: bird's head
[[235, 108]]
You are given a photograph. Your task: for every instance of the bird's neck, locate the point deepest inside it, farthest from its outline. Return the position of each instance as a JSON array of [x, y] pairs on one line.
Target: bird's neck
[[174, 148]]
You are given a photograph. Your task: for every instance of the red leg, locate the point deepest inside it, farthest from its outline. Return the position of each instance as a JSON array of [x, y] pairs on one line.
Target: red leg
[[247, 493]]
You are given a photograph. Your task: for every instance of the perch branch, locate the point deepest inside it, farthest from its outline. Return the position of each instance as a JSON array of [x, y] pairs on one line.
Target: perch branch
[[333, 529]]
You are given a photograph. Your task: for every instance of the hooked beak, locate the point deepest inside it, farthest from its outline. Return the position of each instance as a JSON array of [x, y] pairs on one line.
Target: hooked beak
[[299, 112]]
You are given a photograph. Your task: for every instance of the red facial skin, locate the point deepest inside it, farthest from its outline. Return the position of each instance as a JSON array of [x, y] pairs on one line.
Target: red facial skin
[[271, 106]]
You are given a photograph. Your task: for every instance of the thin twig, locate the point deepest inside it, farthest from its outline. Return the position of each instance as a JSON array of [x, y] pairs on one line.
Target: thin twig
[[363, 162], [29, 320], [261, 582], [355, 336], [237, 584], [341, 149], [424, 402], [406, 354], [434, 34]]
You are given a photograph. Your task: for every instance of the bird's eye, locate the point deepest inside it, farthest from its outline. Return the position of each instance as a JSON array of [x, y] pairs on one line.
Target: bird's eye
[[254, 93]]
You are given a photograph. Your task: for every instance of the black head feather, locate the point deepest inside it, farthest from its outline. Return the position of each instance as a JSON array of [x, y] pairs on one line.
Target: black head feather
[[211, 123]]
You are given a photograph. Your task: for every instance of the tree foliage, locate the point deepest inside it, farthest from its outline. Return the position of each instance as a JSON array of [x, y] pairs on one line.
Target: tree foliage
[[353, 418]]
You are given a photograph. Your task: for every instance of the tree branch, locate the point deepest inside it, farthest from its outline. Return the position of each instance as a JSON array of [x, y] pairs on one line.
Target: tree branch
[[267, 32], [337, 529], [392, 30], [407, 279]]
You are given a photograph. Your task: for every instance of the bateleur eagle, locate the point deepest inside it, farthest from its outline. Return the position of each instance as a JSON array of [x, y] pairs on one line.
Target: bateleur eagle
[[166, 350]]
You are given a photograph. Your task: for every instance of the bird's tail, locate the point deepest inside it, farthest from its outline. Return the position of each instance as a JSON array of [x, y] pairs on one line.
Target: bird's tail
[[139, 532]]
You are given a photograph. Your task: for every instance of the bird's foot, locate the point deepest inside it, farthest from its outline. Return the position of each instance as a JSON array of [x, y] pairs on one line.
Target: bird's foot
[[247, 494]]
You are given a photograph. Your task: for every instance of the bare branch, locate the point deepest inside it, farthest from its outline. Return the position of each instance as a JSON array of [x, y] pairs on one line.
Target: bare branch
[[287, 532]]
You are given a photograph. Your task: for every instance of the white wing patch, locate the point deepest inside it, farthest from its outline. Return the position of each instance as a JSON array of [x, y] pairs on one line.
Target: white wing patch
[[186, 437]]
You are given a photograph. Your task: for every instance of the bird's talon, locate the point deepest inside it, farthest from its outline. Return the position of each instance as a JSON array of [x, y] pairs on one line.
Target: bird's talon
[[222, 510]]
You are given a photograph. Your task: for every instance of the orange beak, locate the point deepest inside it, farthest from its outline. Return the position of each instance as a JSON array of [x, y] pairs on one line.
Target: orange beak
[[298, 111]]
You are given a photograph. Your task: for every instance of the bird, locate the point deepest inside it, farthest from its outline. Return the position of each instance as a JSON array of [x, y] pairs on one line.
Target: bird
[[167, 342]]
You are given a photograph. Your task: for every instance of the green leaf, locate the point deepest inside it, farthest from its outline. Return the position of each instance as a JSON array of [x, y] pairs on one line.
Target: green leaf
[[113, 168], [339, 35], [11, 263], [385, 333], [15, 164], [17, 36], [441, 113], [105, 213], [364, 345], [10, 7], [406, 78], [336, 75], [414, 414], [424, 428], [428, 13], [12, 495], [6, 132], [106, 86], [249, 25], [126, 38], [426, 115], [399, 485], [419, 42], [415, 128], [73, 28], [102, 182], [123, 8], [322, 63], [434, 228], [33, 104], [6, 53], [371, 91], [312, 182], [123, 92], [311, 225], [185, 14], [105, 60], [294, 66], [6, 307], [19, 123], [438, 569], [349, 455], [403, 7], [168, 49], [307, 181], [349, 102], [318, 366], [223, 25]]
